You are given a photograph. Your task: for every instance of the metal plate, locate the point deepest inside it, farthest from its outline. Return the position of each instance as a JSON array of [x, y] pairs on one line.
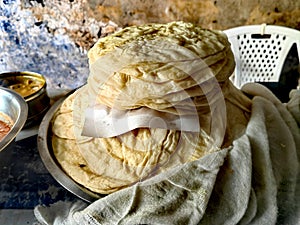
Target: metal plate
[[15, 107], [51, 163]]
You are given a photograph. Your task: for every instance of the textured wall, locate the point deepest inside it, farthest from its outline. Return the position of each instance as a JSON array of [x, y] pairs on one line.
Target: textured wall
[[207, 13], [86, 20]]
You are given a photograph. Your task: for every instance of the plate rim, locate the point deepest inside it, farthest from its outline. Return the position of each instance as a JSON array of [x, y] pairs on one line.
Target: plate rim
[[22, 117], [51, 164]]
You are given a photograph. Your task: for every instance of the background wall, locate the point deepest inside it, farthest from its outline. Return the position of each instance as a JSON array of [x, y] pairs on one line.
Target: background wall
[[52, 37], [87, 20]]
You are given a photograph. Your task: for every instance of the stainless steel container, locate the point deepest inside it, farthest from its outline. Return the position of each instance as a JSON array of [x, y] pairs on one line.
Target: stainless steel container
[[32, 87], [13, 110]]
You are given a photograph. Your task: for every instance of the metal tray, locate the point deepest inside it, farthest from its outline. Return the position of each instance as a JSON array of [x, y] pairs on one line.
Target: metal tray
[[14, 107], [46, 153]]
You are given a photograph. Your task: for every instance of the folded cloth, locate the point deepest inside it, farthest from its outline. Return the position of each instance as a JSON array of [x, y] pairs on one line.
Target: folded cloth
[[254, 181], [294, 104]]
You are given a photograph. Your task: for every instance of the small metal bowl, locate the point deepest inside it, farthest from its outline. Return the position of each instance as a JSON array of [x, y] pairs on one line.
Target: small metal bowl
[[14, 108], [32, 87]]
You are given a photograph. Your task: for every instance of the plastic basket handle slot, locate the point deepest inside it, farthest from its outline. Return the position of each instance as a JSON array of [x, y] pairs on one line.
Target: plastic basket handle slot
[[260, 36]]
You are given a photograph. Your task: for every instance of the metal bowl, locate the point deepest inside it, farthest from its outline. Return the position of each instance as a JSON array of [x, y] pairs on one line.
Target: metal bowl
[[50, 161], [13, 106], [32, 87]]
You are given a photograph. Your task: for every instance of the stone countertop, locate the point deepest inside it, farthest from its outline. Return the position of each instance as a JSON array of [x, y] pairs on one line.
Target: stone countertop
[[25, 182]]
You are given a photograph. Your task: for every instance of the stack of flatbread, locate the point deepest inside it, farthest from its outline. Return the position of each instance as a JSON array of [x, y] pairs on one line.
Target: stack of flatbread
[[173, 70]]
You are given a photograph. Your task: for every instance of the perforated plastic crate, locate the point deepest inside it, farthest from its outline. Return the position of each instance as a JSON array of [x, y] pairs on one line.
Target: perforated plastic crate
[[260, 51]]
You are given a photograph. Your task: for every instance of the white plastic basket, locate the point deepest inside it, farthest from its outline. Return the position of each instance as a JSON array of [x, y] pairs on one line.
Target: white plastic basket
[[260, 51]]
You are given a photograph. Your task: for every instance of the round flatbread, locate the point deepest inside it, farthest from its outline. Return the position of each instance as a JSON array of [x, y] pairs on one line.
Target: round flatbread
[[175, 68]]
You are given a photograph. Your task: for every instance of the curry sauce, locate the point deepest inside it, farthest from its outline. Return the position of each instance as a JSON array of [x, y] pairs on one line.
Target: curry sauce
[[4, 129], [27, 86], [24, 83]]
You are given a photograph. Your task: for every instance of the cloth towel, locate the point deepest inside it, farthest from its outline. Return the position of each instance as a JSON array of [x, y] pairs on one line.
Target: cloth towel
[[255, 181]]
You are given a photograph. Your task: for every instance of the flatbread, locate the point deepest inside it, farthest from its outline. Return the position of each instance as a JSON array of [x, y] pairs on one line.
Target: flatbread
[[119, 161], [105, 165]]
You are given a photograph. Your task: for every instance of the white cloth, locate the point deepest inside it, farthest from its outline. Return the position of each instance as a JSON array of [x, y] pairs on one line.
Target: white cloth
[[255, 181], [113, 122]]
